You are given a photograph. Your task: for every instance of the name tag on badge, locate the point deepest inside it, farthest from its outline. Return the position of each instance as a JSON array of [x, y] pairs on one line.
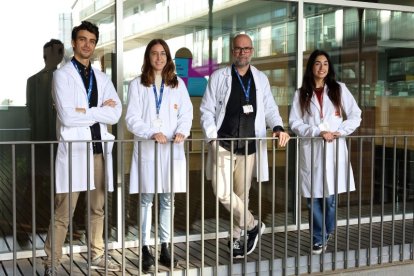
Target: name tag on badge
[[157, 123], [248, 108]]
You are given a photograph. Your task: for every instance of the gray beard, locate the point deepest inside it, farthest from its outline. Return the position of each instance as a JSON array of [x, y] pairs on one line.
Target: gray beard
[[238, 63]]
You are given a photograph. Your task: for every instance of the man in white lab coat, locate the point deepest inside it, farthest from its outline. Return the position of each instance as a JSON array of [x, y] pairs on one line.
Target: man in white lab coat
[[86, 102], [238, 103]]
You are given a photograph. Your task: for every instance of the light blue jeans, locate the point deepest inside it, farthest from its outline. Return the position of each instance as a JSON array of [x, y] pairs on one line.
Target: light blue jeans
[[318, 227], [164, 218]]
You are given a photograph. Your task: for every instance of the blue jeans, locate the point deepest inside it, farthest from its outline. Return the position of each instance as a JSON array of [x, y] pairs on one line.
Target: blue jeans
[[318, 227], [165, 217]]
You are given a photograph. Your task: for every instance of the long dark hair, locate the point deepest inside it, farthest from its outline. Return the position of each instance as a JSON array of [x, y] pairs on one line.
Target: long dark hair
[[308, 84], [168, 73]]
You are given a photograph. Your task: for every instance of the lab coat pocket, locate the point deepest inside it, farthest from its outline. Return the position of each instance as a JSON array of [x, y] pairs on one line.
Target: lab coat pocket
[[74, 134]]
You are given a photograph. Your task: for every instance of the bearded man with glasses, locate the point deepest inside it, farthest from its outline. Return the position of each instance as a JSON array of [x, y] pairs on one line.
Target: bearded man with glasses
[[238, 103]]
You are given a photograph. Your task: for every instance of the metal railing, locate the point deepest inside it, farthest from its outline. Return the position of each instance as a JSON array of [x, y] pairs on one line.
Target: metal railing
[[374, 223]]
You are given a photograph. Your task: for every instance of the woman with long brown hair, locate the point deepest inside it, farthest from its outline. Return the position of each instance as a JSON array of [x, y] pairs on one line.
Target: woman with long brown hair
[[159, 113], [325, 108]]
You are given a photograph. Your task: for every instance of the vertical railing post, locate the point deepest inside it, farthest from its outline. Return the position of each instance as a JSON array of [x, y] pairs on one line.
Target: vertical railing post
[[33, 196], [187, 209], [359, 188], [14, 209], [202, 204], [123, 209], [88, 211]]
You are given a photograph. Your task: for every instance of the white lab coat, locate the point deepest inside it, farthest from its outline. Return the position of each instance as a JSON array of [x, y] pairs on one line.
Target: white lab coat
[[305, 125], [176, 113], [68, 93], [213, 109]]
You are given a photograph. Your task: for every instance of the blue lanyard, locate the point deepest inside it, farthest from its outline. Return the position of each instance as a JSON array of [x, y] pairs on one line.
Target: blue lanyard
[[246, 91], [90, 79], [158, 100]]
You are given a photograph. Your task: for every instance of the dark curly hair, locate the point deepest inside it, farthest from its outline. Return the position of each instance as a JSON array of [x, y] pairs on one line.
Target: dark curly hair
[[88, 26]]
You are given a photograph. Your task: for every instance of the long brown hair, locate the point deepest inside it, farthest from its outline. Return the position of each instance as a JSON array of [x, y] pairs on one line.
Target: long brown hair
[[308, 84], [168, 73]]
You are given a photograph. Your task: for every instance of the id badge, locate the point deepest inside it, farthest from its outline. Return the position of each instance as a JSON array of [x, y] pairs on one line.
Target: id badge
[[157, 123], [248, 108]]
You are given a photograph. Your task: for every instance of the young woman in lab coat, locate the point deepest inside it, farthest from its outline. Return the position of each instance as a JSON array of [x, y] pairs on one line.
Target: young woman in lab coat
[[325, 108], [159, 111]]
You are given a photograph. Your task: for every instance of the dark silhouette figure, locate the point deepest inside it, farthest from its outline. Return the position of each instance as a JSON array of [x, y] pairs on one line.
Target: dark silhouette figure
[[42, 117], [39, 97]]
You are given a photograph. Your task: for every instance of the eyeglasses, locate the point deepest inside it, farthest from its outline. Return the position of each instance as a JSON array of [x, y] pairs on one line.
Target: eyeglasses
[[246, 50]]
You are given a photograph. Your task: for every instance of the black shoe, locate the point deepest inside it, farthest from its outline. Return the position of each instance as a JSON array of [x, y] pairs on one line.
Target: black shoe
[[147, 259], [317, 248], [238, 248], [253, 237], [165, 257]]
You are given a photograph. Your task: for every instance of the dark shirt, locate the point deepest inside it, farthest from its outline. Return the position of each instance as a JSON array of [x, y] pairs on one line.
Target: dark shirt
[[236, 123], [93, 102]]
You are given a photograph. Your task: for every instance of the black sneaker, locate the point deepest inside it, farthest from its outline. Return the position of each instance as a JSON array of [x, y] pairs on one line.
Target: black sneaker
[[238, 248], [148, 262], [317, 248], [253, 237], [165, 256]]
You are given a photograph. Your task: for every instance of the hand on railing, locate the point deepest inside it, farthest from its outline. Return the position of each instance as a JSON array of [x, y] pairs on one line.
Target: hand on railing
[[283, 137], [329, 136], [159, 137], [179, 138]]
